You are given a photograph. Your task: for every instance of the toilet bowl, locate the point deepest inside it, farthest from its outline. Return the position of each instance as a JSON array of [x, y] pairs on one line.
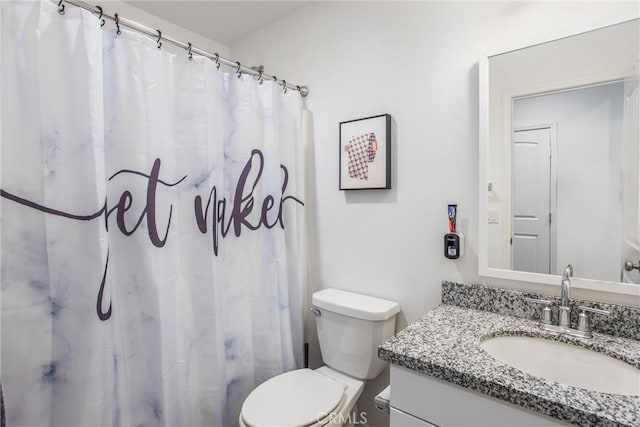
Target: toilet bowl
[[350, 328]]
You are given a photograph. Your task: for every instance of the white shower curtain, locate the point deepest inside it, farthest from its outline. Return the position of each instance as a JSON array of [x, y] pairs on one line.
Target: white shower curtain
[[152, 228]]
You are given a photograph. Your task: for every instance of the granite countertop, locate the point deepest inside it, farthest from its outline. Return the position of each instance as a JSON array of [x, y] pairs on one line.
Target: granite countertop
[[445, 344]]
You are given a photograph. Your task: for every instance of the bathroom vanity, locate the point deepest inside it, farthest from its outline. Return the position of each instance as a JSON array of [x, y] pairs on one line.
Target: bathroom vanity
[[442, 375], [418, 397]]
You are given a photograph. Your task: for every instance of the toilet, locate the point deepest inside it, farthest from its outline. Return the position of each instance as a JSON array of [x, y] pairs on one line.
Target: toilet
[[350, 328]]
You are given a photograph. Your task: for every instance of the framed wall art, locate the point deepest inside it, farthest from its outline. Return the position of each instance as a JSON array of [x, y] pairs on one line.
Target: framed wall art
[[365, 153]]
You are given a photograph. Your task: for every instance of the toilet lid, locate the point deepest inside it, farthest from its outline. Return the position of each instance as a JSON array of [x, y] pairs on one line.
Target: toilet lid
[[294, 399]]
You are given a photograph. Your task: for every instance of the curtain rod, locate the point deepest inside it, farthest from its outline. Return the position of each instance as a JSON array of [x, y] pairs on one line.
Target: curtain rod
[[160, 37]]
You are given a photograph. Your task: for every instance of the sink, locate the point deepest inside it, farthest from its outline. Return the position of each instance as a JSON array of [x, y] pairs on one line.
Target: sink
[[565, 364]]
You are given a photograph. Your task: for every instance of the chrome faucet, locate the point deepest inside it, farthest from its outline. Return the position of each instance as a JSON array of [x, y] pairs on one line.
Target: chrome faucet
[[583, 328], [565, 288], [565, 295]]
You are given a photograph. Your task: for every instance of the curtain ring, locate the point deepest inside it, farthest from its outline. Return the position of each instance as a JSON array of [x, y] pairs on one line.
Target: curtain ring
[[217, 60], [117, 20], [159, 38], [284, 86], [260, 79], [100, 18], [61, 7], [238, 72], [190, 55]]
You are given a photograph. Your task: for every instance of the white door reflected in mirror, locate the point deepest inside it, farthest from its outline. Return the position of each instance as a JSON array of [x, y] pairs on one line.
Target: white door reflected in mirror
[[533, 191]]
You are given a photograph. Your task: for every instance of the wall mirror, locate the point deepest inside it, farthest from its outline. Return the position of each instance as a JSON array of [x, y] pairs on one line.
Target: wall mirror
[[559, 160]]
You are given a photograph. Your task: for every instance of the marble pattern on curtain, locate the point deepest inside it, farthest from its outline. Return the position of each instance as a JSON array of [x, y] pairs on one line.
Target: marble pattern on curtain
[[151, 228]]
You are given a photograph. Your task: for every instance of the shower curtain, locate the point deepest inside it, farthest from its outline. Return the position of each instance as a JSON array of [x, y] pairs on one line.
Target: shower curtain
[[152, 228]]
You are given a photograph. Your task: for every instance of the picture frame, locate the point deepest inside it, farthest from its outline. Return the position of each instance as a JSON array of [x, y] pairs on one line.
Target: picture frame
[[365, 153]]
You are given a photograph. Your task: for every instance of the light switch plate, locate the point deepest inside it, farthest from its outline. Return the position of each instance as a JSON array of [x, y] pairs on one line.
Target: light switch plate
[[494, 216]]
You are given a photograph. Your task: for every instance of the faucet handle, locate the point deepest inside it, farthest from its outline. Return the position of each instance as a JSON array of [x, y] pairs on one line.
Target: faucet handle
[[538, 301], [545, 318], [584, 323], [594, 310]]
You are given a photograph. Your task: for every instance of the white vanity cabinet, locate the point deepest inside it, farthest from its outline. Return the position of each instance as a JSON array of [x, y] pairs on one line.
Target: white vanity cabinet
[[421, 400]]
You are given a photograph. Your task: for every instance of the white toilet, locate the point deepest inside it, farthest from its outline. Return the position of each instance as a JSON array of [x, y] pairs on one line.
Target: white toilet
[[350, 328]]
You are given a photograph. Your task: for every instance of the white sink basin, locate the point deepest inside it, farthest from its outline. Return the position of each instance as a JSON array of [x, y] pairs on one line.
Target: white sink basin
[[565, 363]]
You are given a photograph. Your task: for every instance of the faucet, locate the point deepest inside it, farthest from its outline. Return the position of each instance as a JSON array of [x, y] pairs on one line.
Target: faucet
[[583, 328], [565, 295], [565, 287]]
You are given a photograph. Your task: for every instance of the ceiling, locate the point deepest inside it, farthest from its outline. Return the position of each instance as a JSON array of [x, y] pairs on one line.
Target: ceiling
[[222, 21]]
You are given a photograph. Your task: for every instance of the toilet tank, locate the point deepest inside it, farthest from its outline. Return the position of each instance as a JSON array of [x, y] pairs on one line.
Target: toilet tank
[[350, 328]]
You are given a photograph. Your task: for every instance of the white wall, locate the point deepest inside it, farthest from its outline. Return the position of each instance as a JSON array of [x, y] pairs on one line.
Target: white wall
[[590, 181], [182, 34], [418, 62]]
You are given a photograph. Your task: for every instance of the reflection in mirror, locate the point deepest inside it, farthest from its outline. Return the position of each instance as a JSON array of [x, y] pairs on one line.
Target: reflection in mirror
[[563, 157], [554, 207]]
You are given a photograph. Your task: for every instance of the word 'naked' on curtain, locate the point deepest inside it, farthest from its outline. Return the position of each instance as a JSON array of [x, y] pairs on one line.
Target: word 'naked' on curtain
[[152, 228]]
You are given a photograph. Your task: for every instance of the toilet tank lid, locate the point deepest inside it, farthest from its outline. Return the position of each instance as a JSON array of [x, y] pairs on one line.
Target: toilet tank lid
[[355, 305]]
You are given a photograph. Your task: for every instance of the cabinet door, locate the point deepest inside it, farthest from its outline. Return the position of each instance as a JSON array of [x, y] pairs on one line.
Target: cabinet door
[[401, 419], [446, 404]]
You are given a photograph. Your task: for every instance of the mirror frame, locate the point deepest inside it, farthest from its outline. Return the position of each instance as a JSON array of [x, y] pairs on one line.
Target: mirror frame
[[484, 270]]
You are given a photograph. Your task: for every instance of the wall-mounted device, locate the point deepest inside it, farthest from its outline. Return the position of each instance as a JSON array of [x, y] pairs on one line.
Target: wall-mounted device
[[453, 240], [453, 245]]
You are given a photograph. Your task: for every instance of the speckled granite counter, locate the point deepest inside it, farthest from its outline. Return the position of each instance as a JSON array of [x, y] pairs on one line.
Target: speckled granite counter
[[445, 343]]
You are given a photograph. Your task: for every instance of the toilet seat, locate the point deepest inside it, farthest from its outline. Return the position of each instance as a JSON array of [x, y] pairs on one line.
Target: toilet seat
[[300, 398]]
